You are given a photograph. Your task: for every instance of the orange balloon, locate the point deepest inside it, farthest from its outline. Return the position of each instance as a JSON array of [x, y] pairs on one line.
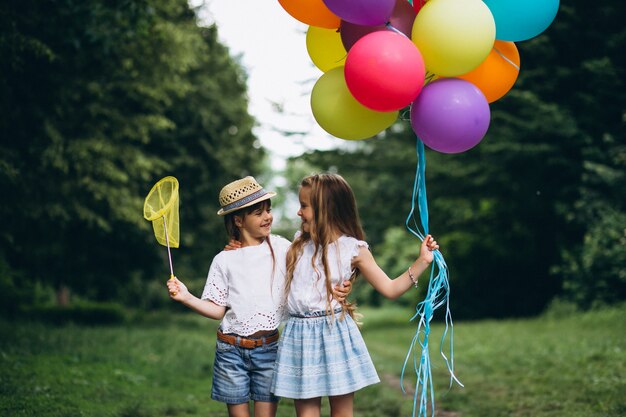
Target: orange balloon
[[311, 12], [496, 75]]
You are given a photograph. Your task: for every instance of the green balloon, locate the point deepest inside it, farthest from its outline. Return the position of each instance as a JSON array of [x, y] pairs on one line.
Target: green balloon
[[340, 114]]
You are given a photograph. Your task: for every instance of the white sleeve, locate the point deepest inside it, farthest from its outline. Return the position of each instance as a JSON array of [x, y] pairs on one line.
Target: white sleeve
[[216, 287], [354, 247]]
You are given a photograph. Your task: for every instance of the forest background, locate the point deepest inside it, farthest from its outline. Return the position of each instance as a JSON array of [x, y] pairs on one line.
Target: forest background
[[99, 100]]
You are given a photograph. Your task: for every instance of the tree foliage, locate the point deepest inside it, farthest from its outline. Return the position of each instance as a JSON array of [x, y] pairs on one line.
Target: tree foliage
[[100, 99]]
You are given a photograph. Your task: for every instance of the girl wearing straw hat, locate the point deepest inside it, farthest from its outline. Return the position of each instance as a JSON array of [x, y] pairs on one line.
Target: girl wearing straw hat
[[321, 352], [245, 290]]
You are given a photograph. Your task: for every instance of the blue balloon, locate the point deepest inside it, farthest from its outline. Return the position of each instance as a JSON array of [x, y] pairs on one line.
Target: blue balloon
[[521, 20]]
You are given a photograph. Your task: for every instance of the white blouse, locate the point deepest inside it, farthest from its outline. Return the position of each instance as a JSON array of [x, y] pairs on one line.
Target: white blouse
[[308, 288], [242, 281]]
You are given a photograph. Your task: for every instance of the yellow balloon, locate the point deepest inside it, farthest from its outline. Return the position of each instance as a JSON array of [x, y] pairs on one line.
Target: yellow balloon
[[338, 113], [454, 36], [325, 48]]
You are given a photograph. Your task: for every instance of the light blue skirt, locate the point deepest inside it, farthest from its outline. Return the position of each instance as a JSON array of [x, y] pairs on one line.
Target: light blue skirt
[[318, 357]]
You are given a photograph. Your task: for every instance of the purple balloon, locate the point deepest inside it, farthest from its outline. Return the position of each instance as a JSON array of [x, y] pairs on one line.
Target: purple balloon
[[401, 19], [450, 115], [362, 12]]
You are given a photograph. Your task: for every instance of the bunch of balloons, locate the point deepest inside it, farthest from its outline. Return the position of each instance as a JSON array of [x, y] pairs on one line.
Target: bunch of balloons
[[446, 59]]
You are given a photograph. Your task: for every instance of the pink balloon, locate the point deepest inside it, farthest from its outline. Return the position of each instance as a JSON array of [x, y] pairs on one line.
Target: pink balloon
[[402, 18], [450, 115], [384, 71]]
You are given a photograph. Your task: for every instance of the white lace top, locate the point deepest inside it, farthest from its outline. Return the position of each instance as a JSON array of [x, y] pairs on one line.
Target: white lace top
[[242, 281], [308, 288]]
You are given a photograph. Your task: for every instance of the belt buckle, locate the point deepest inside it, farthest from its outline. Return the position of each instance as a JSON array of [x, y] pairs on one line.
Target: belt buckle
[[245, 342]]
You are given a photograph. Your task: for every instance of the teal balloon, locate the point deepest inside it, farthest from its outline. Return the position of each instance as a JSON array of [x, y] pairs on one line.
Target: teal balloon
[[518, 20]]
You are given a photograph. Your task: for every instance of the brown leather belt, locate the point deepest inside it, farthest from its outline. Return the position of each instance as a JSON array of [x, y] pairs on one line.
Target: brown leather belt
[[246, 343]]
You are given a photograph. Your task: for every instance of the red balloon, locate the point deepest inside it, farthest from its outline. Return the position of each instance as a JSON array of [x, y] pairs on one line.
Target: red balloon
[[418, 4], [402, 18], [384, 71]]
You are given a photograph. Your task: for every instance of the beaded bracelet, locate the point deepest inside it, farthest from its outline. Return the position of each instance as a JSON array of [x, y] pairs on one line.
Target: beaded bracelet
[[413, 279]]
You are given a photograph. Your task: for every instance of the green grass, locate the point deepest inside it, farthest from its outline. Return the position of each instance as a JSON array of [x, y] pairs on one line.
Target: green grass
[[573, 366]]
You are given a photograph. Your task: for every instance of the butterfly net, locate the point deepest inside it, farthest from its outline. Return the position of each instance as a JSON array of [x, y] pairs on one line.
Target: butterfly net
[[161, 208]]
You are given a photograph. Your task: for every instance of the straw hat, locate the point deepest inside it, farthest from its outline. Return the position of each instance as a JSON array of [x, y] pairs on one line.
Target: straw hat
[[242, 193]]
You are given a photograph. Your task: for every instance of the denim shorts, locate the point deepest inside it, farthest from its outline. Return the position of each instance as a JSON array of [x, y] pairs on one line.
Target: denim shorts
[[241, 375]]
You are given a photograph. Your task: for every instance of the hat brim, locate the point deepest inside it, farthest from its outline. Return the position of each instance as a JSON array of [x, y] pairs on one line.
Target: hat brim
[[267, 196]]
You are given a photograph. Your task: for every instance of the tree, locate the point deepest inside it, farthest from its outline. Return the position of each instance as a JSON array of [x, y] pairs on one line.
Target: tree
[[100, 100], [593, 70]]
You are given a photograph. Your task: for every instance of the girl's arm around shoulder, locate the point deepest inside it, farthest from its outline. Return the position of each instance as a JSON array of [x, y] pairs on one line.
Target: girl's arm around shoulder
[[393, 288], [179, 292]]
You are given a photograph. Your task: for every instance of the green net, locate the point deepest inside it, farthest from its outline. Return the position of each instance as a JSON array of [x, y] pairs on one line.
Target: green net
[[161, 208]]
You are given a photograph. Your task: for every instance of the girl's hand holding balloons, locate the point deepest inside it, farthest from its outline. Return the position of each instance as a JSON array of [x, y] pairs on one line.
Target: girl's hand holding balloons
[[429, 244]]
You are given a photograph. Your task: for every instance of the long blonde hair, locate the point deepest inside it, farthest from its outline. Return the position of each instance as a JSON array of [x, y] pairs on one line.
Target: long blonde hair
[[334, 211]]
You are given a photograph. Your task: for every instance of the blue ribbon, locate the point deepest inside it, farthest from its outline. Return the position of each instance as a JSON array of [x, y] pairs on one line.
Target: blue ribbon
[[257, 194], [438, 295]]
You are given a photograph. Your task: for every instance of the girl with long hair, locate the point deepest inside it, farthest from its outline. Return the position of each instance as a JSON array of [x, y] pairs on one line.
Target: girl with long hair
[[321, 351]]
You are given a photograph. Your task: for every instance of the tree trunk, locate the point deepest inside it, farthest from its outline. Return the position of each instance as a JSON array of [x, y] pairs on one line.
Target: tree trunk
[[63, 296]]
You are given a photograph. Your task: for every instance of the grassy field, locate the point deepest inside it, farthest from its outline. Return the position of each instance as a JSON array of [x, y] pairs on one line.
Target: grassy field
[[572, 366]]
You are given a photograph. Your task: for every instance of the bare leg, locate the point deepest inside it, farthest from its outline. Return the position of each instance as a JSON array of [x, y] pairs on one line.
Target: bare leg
[[238, 410], [311, 407], [265, 409], [341, 405]]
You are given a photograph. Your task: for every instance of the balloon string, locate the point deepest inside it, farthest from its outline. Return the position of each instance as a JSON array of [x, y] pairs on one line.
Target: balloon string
[[388, 25], [506, 59], [429, 77], [438, 294]]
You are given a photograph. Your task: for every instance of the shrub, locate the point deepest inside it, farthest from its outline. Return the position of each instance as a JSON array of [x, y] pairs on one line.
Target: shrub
[[79, 313]]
